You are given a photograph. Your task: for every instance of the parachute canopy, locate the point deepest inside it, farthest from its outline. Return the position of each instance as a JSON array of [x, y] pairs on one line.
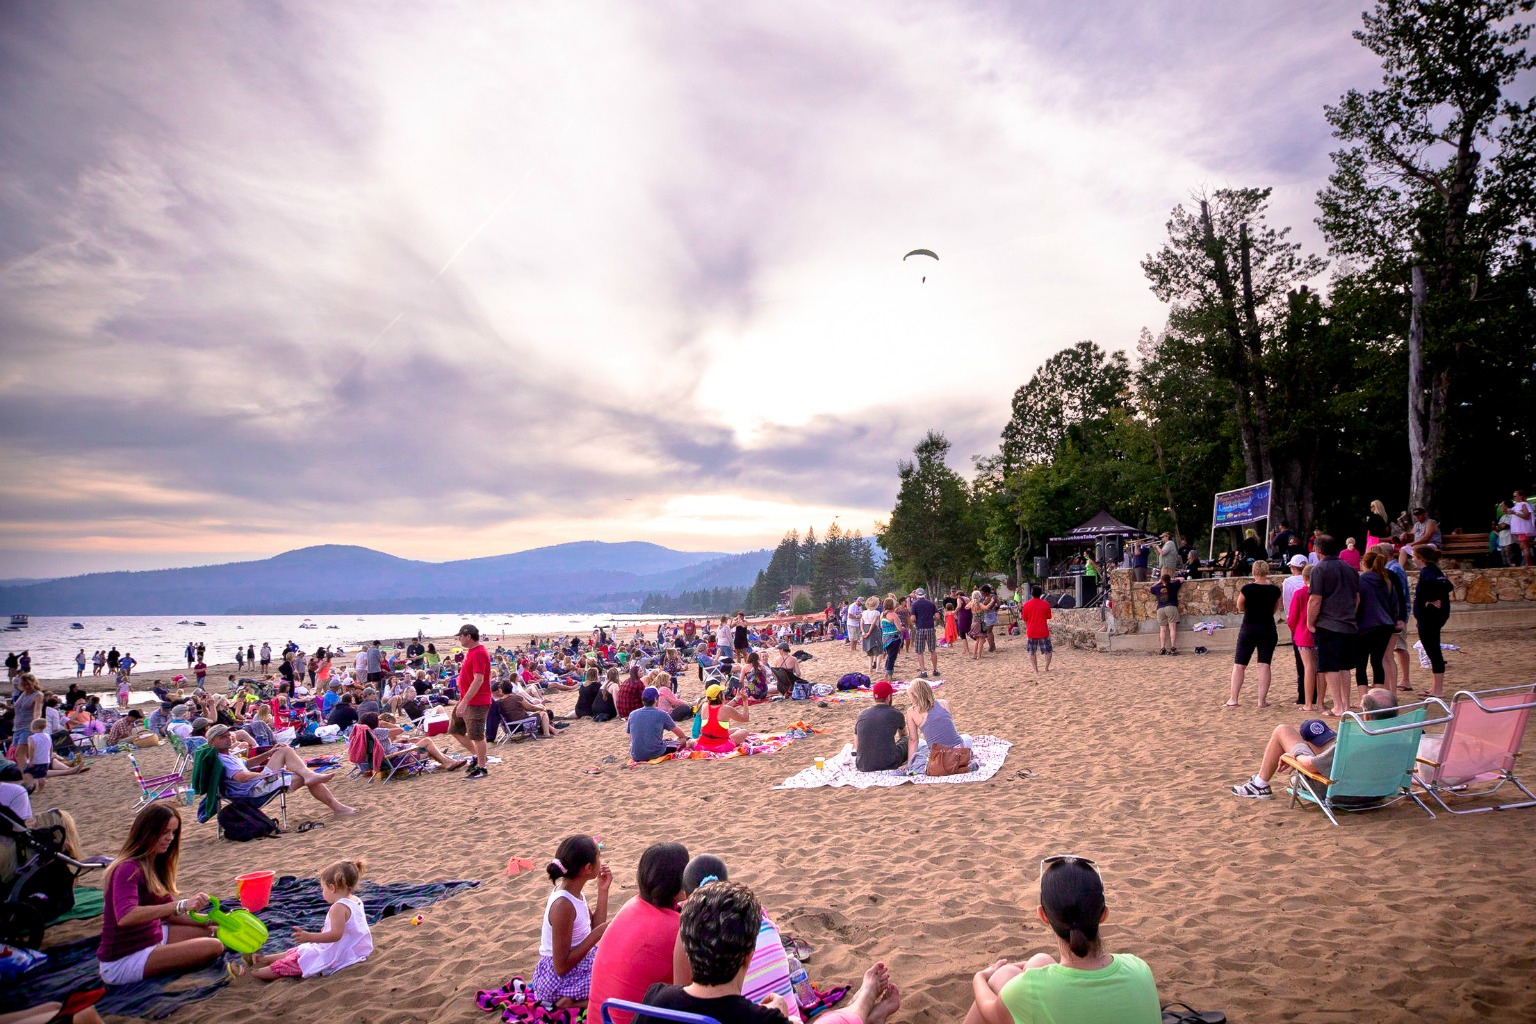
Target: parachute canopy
[[920, 252]]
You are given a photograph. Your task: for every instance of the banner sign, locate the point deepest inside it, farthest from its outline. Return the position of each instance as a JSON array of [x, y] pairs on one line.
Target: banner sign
[[1244, 505]]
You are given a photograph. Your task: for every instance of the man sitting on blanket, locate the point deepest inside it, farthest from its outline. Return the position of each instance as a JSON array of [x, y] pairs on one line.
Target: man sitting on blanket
[[648, 726], [1311, 745], [240, 781], [879, 734]]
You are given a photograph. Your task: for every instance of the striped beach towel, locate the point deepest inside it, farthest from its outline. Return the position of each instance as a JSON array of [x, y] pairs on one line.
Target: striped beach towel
[[769, 971]]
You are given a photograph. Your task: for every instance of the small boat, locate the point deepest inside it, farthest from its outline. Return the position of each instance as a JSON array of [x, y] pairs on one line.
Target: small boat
[[111, 629], [199, 623], [154, 629], [18, 620], [332, 627], [183, 622], [77, 625]]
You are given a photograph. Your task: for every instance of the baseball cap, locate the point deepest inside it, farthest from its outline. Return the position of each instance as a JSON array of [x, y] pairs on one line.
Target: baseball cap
[[1418, 510], [214, 732], [883, 690], [1316, 732], [649, 695], [713, 690], [919, 592], [1297, 561]]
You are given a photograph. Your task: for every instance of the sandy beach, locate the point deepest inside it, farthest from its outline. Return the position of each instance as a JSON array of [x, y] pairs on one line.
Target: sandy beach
[[1266, 912]]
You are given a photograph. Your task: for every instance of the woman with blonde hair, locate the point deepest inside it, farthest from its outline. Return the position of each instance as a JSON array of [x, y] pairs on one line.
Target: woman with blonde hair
[[869, 623], [145, 930], [929, 722]]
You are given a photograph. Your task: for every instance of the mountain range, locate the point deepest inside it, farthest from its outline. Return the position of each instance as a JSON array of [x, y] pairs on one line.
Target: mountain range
[[580, 576]]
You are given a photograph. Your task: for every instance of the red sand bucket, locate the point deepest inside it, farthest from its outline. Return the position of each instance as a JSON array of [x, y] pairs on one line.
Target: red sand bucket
[[254, 890]]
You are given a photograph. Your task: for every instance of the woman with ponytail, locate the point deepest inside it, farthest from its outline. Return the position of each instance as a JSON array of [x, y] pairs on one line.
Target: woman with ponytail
[[1083, 982], [568, 941]]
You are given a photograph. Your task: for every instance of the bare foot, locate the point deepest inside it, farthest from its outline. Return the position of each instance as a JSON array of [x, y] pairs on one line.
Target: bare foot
[[864, 1000], [890, 1002], [344, 811], [1229, 704], [1265, 704]]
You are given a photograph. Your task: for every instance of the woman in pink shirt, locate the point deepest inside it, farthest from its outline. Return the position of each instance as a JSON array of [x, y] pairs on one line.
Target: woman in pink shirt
[[1296, 618], [636, 950]]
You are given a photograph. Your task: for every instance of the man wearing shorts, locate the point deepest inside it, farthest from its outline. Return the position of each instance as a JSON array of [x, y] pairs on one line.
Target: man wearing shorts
[[1166, 591], [467, 723], [1311, 745], [1332, 611], [284, 767], [924, 637], [1036, 613]]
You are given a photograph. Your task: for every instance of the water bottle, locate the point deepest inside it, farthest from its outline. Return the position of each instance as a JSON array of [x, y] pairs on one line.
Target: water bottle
[[801, 983]]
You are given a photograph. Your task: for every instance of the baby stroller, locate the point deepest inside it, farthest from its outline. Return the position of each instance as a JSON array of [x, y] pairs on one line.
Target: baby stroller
[[43, 886]]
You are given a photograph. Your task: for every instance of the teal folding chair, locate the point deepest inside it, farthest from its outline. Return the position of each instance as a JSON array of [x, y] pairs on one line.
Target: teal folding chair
[[1373, 761]]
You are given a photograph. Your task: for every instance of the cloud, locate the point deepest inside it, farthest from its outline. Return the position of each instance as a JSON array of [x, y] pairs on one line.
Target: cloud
[[466, 278]]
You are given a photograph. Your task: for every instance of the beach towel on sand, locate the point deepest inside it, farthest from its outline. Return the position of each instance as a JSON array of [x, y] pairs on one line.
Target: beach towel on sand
[[296, 903], [989, 752], [757, 743]]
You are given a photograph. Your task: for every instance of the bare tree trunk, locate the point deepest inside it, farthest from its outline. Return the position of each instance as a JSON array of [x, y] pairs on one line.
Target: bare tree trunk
[[1239, 375], [1162, 468], [1254, 364], [1420, 417]]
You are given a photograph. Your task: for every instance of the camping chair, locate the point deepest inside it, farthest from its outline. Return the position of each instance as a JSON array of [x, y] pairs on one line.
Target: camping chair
[[654, 1012], [526, 727], [382, 766], [1372, 763], [209, 781], [1479, 746], [787, 678], [709, 671], [159, 787]]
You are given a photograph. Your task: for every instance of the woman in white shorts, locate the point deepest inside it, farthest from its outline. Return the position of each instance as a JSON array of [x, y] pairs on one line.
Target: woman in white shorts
[[145, 930]]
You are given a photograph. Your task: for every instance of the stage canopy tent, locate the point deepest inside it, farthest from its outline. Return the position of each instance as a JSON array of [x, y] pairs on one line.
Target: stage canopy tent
[[1096, 529]]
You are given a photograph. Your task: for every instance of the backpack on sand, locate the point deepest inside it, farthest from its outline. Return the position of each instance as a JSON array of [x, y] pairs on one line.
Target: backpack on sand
[[242, 822]]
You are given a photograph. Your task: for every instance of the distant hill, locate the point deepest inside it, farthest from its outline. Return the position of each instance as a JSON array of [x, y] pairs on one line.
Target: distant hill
[[581, 576]]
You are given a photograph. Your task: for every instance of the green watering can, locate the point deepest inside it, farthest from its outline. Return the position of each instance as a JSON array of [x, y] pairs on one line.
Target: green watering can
[[239, 930]]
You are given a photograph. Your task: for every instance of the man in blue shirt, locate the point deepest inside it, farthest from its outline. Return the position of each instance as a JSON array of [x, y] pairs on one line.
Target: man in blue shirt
[[648, 726], [924, 612]]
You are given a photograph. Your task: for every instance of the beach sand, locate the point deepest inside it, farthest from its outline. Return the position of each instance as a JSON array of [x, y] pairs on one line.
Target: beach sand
[[1266, 912]]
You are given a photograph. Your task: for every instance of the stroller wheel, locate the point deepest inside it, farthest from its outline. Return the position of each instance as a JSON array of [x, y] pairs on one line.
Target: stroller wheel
[[21, 924]]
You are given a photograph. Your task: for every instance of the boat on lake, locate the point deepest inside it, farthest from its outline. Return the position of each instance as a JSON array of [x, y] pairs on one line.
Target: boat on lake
[[18, 620]]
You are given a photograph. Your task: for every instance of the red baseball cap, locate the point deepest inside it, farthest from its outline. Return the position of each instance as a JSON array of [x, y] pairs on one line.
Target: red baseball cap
[[883, 690]]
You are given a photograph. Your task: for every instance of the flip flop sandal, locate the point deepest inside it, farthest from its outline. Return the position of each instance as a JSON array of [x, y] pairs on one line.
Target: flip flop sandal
[[797, 948], [591, 771], [310, 826], [1181, 1013], [1023, 773]]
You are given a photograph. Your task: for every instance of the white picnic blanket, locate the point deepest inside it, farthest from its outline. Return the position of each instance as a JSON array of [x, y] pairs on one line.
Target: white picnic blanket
[[1418, 646], [990, 753]]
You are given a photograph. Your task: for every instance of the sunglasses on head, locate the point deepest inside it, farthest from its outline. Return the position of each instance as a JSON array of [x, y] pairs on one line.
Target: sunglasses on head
[[1068, 858]]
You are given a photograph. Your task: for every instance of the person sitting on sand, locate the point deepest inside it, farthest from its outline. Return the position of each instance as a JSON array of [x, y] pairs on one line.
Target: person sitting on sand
[[1311, 745], [928, 722], [241, 781], [714, 736], [593, 700], [753, 679], [1086, 984], [720, 938], [344, 941], [666, 696], [879, 740], [636, 951], [145, 930], [571, 931], [626, 697], [648, 726]]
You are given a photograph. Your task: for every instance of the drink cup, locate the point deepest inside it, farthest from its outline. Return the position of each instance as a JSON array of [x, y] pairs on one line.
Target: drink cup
[[821, 764]]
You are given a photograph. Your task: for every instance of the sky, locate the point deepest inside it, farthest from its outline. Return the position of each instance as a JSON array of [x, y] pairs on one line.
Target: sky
[[465, 278]]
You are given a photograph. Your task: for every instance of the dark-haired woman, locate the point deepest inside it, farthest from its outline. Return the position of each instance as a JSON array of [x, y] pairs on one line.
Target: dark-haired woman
[[1431, 607], [1379, 618], [145, 930], [636, 950], [1082, 982], [568, 941]]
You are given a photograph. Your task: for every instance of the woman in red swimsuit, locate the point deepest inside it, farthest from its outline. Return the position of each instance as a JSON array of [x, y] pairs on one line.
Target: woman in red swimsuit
[[714, 736]]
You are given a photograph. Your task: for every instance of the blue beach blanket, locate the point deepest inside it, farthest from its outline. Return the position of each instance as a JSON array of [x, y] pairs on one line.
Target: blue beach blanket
[[296, 903]]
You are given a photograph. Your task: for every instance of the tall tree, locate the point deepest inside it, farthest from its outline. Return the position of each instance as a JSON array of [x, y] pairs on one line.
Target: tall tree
[[930, 536], [1077, 385], [1435, 187]]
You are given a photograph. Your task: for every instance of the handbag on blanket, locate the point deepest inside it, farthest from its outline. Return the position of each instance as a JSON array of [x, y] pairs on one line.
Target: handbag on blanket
[[944, 760]]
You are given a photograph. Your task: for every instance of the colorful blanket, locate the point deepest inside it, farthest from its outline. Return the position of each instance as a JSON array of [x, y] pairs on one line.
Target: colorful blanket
[[757, 743], [989, 751], [864, 693]]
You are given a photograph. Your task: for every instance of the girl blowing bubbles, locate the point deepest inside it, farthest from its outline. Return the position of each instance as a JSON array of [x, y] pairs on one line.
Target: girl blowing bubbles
[[345, 940], [568, 941]]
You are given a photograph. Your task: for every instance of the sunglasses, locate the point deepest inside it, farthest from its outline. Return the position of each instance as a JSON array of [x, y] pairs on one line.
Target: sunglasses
[[1068, 858]]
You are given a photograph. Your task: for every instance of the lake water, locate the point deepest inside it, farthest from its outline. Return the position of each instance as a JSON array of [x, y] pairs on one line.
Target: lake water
[[157, 642]]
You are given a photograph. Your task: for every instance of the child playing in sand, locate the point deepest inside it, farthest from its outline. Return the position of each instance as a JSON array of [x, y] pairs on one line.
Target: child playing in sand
[[568, 941], [345, 941]]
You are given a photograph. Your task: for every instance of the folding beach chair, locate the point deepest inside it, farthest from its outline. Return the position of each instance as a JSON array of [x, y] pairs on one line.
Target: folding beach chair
[[634, 1009], [387, 766], [160, 787], [1372, 761], [1478, 747], [709, 671], [525, 727], [787, 679], [208, 780]]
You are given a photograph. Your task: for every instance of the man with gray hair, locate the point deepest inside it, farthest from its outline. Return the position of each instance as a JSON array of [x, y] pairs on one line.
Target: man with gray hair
[[924, 631], [1311, 745]]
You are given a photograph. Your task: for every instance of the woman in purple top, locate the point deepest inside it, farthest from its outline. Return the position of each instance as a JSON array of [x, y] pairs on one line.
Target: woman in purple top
[[145, 930]]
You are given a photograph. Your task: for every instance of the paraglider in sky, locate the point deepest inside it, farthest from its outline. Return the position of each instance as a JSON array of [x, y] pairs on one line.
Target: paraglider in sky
[[921, 252]]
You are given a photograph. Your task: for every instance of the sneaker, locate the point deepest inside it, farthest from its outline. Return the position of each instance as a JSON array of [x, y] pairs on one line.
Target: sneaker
[[1162, 650], [1253, 791], [922, 675], [477, 772]]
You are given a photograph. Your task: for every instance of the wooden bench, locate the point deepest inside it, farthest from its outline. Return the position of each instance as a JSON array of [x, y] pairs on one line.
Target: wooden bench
[[1465, 547]]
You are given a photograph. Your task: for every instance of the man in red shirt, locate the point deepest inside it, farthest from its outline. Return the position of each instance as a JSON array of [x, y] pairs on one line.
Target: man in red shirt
[[1036, 614], [467, 723]]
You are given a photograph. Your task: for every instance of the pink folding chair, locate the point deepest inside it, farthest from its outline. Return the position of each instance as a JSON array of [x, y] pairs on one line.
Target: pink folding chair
[[1478, 747]]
